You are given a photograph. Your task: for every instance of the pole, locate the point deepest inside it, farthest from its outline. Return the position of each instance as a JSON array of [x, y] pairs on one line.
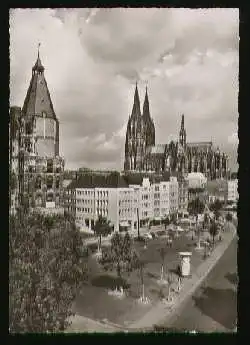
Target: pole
[[138, 223]]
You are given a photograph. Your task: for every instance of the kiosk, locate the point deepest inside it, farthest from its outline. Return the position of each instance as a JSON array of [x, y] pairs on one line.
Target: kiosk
[[185, 263]]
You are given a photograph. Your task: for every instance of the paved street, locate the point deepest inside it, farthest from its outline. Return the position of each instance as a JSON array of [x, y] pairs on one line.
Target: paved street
[[213, 308]]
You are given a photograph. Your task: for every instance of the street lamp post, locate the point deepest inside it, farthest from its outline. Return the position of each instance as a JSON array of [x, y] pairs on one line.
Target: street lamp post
[[138, 223]]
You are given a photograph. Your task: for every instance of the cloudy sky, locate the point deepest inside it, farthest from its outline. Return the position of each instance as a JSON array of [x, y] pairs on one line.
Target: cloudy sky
[[92, 58]]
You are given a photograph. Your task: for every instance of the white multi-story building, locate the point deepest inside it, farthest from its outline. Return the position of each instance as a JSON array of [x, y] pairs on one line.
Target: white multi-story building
[[122, 204], [173, 195], [232, 190]]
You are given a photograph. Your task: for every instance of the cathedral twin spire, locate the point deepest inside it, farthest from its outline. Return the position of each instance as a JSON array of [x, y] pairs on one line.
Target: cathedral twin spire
[[136, 111], [140, 133]]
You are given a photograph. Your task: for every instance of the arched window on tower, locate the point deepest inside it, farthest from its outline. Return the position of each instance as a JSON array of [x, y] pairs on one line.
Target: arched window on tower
[[38, 183], [50, 196], [49, 182]]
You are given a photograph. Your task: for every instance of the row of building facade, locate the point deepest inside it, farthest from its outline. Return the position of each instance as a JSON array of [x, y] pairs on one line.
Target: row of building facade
[[126, 199], [123, 202]]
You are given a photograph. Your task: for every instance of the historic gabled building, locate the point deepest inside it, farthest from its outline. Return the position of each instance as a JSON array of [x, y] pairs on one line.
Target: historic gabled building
[[142, 154], [35, 162]]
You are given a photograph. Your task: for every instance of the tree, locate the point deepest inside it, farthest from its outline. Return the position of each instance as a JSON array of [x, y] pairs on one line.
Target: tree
[[216, 206], [205, 220], [45, 271], [121, 255], [163, 252], [196, 207], [173, 218], [170, 280], [214, 230], [166, 221], [229, 217], [102, 227], [140, 264]]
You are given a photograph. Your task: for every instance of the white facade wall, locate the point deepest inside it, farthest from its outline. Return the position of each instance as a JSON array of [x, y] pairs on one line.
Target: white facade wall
[[120, 205], [173, 195], [146, 200], [164, 199], [125, 207], [232, 190]]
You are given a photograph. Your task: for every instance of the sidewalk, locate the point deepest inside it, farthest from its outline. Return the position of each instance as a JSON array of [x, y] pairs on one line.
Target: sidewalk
[[81, 324], [164, 312]]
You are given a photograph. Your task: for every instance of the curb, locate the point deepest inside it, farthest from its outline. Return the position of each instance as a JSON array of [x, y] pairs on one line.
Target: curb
[[192, 285]]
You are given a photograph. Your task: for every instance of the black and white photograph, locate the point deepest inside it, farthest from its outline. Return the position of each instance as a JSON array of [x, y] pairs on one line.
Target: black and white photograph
[[123, 172]]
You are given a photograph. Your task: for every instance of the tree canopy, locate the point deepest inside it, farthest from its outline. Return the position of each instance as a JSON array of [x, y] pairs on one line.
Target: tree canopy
[[102, 227], [45, 270], [196, 206], [216, 206], [229, 217], [214, 229], [121, 255]]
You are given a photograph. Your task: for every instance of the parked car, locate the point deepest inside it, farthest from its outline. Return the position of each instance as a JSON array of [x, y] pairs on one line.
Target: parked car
[[148, 236]]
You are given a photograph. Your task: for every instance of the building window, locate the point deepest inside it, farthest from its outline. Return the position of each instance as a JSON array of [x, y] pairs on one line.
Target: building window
[[50, 166]]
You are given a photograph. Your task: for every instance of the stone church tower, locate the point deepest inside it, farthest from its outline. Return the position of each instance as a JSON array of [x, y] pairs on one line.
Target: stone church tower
[[135, 138], [148, 123], [40, 169], [140, 135]]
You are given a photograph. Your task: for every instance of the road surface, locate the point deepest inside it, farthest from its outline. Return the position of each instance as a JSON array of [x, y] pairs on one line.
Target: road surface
[[213, 307]]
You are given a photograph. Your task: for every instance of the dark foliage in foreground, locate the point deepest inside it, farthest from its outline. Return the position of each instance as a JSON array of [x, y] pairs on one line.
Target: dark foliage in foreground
[[45, 270]]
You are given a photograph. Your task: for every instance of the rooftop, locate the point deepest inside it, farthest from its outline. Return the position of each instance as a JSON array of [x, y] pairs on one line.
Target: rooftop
[[99, 181]]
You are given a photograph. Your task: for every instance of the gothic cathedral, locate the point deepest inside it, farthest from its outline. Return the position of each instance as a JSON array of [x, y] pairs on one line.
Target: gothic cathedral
[[143, 155]]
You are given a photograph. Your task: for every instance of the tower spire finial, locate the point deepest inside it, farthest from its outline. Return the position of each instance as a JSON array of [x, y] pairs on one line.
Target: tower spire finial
[[38, 49]]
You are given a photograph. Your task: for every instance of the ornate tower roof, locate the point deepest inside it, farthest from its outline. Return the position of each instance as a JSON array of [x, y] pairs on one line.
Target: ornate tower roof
[[182, 134], [38, 101], [146, 112], [149, 124], [136, 111]]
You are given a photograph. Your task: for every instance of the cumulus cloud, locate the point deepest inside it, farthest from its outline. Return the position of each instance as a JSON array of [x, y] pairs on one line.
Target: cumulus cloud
[[233, 138], [92, 58]]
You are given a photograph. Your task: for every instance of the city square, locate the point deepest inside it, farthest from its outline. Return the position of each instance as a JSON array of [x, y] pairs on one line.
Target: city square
[[115, 223]]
